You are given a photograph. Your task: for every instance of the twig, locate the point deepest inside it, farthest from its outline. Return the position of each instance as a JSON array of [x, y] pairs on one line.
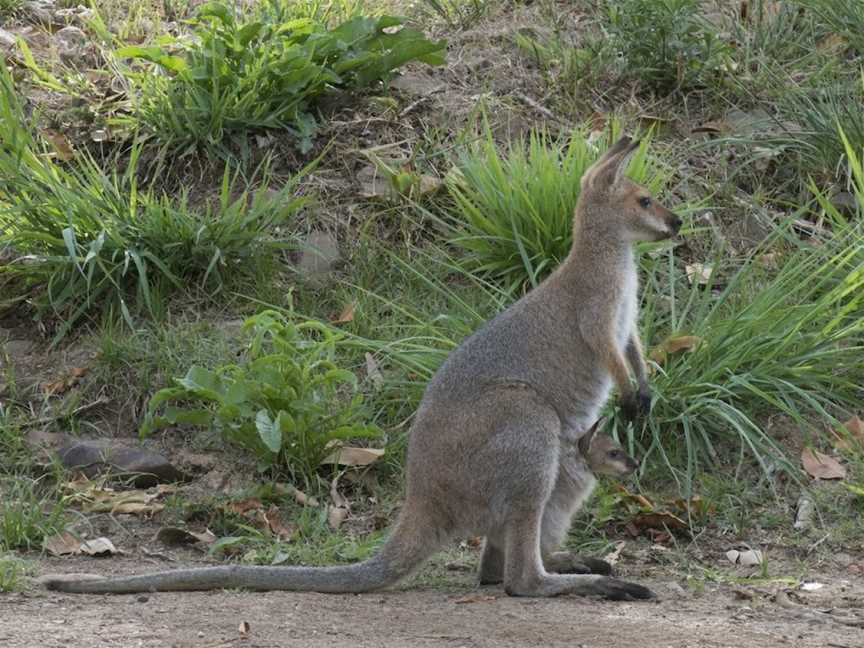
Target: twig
[[413, 105], [543, 110]]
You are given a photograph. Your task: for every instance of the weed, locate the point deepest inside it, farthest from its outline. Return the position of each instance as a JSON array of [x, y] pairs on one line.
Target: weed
[[456, 14], [90, 238], [514, 211], [12, 571], [27, 515], [239, 74], [844, 18], [284, 402], [666, 44]]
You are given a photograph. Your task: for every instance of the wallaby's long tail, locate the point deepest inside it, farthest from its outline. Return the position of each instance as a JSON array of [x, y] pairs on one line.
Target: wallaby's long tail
[[409, 545]]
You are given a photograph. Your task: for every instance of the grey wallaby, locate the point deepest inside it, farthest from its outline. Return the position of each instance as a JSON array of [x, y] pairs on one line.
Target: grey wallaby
[[488, 448]]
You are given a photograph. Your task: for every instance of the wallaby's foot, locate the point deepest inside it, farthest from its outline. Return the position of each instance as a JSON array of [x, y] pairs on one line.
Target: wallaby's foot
[[580, 585], [564, 562]]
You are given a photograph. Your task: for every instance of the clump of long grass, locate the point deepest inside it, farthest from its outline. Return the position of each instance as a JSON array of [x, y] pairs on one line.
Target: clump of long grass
[[512, 212], [85, 237]]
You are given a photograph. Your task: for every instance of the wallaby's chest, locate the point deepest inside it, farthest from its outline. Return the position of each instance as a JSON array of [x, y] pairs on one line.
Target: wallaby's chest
[[627, 306]]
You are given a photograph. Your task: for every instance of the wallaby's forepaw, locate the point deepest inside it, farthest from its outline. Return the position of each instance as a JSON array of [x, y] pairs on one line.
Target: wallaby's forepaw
[[636, 405], [619, 590]]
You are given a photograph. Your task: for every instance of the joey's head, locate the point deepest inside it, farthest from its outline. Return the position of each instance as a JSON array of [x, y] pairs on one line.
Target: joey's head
[[612, 203], [604, 455]]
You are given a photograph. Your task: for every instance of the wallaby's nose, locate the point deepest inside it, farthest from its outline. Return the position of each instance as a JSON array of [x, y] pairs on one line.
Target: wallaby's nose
[[675, 224]]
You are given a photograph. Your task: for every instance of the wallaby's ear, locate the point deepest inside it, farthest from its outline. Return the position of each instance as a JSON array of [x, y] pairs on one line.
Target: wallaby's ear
[[587, 439], [611, 166]]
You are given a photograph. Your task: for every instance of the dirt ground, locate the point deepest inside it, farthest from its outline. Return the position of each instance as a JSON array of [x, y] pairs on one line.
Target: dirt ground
[[452, 614]]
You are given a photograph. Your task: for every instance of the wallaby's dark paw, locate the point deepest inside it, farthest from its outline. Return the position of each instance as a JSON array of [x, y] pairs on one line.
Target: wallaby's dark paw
[[635, 405], [643, 400], [619, 590]]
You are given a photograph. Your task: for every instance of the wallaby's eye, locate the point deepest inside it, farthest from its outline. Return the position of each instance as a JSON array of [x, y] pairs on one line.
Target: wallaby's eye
[[645, 202], [614, 454]]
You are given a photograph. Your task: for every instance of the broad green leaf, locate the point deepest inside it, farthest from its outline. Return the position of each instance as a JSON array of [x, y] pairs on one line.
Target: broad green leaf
[[269, 431]]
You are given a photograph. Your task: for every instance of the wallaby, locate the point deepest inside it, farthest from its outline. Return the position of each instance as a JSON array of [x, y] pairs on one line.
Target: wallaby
[[487, 451]]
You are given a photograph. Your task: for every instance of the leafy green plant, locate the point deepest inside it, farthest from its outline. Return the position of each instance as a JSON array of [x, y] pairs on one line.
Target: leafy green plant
[[513, 212], [88, 237], [665, 44], [240, 73], [9, 6], [287, 401]]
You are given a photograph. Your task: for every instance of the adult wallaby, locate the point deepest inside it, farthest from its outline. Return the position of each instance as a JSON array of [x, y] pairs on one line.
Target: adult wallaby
[[487, 452]]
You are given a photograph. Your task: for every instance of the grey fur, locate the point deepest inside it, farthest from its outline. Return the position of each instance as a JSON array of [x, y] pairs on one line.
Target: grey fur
[[486, 453]]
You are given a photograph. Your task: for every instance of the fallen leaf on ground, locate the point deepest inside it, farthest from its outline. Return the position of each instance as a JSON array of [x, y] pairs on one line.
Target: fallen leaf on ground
[[244, 506], [177, 536], [852, 436], [347, 315], [62, 544], [615, 555], [243, 628], [640, 500], [61, 144], [338, 511], [373, 371], [746, 558], [659, 521], [821, 466], [698, 273], [281, 530], [96, 499], [98, 547], [349, 456], [674, 345], [299, 496]]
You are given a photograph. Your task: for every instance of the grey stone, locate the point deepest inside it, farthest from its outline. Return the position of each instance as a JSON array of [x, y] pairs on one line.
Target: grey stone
[[418, 84], [319, 257], [71, 43], [7, 40], [102, 457]]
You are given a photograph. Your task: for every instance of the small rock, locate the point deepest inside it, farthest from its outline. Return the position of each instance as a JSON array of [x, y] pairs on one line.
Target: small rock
[[98, 457], [142, 599], [320, 256], [74, 15], [71, 43], [41, 11], [845, 203], [417, 84], [7, 40], [18, 348]]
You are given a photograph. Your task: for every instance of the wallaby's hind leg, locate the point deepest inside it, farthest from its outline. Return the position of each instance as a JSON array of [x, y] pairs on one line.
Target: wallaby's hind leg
[[524, 574], [492, 562], [557, 517]]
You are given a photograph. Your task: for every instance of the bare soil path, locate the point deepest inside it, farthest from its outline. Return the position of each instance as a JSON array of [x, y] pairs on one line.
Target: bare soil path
[[720, 616]]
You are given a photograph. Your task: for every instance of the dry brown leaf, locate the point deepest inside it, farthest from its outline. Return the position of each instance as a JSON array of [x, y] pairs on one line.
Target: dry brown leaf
[[373, 371], [853, 436], [62, 544], [821, 466], [243, 628], [832, 43], [659, 521], [674, 345], [273, 519], [640, 500], [347, 315], [61, 144], [177, 536], [79, 372], [349, 456], [615, 555], [302, 498], [99, 547], [698, 273], [96, 499], [336, 516], [244, 506]]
